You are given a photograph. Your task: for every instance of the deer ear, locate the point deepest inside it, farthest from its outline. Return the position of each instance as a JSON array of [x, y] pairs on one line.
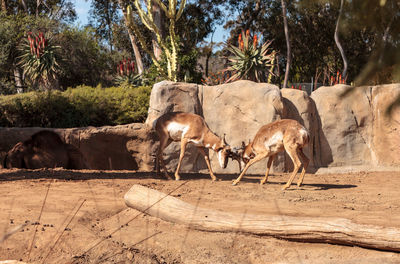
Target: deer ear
[[224, 140], [243, 144]]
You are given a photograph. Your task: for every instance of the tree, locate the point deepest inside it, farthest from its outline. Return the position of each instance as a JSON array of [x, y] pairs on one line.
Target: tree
[[84, 60], [170, 49], [132, 37], [337, 41], [103, 14], [288, 54]]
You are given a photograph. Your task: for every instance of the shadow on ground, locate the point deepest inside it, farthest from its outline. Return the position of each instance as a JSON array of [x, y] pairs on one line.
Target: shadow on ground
[[24, 174]]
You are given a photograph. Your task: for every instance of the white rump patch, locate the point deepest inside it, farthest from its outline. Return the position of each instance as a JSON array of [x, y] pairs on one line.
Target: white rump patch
[[176, 130], [274, 143], [303, 132]]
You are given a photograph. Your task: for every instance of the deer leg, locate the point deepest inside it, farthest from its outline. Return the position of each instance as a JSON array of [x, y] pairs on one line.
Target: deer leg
[[305, 162], [207, 159], [271, 158], [183, 148], [254, 160], [292, 151], [164, 142]]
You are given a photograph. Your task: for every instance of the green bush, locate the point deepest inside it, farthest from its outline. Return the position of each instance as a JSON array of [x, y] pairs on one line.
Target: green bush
[[77, 107]]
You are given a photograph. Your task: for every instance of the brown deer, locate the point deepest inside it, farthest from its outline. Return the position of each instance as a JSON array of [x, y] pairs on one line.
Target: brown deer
[[273, 138], [189, 128]]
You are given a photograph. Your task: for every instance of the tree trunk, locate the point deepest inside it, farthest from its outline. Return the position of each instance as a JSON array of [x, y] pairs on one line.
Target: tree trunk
[[18, 79], [156, 12], [344, 73], [4, 6], [138, 56], [308, 229], [109, 25], [37, 7], [288, 54], [24, 6]]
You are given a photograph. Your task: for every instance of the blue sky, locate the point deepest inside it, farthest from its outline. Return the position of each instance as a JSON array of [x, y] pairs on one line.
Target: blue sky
[[82, 8]]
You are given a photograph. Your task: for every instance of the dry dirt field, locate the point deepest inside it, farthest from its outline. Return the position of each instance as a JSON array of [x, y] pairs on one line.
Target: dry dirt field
[[84, 218]]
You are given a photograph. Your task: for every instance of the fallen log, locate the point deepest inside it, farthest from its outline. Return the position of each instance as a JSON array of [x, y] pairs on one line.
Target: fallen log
[[305, 229]]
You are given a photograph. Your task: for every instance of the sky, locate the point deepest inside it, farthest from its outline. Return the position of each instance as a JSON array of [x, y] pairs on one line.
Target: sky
[[82, 9]]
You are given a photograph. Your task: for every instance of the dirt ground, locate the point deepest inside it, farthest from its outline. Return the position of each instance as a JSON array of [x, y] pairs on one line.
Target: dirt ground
[[81, 217]]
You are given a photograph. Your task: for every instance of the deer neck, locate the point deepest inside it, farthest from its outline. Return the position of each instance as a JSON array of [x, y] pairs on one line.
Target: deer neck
[[212, 141]]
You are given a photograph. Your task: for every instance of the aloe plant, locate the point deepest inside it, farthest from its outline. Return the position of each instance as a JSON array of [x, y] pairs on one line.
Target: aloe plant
[[39, 60], [126, 73], [251, 61]]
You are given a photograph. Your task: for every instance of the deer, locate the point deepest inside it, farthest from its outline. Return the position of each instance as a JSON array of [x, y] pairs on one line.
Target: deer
[[189, 128], [282, 135]]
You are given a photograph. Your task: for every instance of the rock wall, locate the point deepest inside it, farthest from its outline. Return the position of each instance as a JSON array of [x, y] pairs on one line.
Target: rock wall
[[128, 147], [345, 131]]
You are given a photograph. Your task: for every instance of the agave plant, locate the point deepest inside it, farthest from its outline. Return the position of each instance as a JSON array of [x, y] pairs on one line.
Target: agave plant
[[126, 73], [251, 61], [39, 60]]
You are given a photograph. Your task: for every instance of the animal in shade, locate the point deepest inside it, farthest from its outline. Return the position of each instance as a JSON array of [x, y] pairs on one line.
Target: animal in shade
[[44, 149], [282, 135], [189, 128]]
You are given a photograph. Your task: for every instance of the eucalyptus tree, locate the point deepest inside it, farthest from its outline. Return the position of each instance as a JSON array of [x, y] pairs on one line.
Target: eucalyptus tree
[[103, 15]]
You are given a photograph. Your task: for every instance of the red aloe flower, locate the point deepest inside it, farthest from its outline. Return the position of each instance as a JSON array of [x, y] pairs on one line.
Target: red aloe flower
[[121, 68], [247, 33], [255, 41]]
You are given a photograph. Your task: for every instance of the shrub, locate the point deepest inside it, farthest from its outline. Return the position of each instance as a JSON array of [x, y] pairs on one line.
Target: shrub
[[81, 106], [251, 61]]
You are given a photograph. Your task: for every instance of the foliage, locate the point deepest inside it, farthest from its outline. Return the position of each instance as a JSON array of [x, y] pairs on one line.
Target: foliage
[[84, 61], [103, 14], [81, 106], [251, 61], [126, 73], [13, 30], [39, 60], [170, 47], [216, 79], [188, 70], [57, 10]]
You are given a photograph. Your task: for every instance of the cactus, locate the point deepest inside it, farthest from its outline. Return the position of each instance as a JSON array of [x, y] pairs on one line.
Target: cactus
[[170, 51]]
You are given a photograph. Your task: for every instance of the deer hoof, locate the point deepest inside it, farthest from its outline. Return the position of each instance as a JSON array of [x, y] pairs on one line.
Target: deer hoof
[[234, 183]]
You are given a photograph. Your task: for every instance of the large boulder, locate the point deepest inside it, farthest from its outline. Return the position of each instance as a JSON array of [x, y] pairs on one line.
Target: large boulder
[[238, 110], [344, 136], [167, 97], [385, 128], [300, 107]]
